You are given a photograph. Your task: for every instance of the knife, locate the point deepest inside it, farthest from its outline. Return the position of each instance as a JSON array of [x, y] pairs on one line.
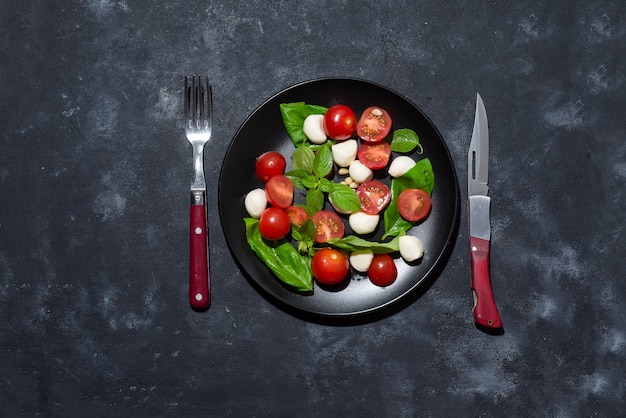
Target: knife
[[485, 311]]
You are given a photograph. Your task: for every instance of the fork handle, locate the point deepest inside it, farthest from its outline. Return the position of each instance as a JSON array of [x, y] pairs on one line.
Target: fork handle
[[199, 290]]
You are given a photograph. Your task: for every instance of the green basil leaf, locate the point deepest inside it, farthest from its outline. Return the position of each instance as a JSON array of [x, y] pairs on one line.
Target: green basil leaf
[[393, 222], [310, 181], [405, 140], [302, 158], [323, 163], [306, 230], [353, 243], [326, 185], [296, 176], [293, 115], [421, 176], [291, 267], [344, 198], [315, 200]]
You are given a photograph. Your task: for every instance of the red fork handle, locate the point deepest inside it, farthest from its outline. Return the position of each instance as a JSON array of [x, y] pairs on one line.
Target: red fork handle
[[485, 310], [199, 293]]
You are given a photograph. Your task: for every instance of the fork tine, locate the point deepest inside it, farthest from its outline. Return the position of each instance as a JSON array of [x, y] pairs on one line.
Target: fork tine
[[187, 99], [201, 94], [196, 102], [209, 105]]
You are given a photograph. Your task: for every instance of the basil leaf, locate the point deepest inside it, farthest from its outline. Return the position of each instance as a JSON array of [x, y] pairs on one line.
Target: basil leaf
[[323, 163], [302, 158], [282, 259], [326, 185], [344, 198], [421, 176], [405, 140], [354, 243], [296, 176], [310, 181], [315, 200], [307, 230], [293, 115], [392, 220]]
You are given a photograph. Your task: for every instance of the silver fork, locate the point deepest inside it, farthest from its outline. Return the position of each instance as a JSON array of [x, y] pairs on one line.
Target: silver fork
[[198, 125]]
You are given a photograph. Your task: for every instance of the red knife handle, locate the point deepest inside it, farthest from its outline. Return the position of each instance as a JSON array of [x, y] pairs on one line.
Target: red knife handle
[[485, 310], [199, 293]]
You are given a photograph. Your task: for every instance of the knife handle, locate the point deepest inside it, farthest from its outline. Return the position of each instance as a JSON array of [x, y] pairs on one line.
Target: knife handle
[[485, 310], [199, 293]]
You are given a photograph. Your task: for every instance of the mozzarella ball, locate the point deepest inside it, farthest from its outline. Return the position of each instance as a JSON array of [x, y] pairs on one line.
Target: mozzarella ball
[[344, 152], [314, 129], [255, 202], [359, 172], [360, 260], [400, 165], [363, 223], [411, 248]]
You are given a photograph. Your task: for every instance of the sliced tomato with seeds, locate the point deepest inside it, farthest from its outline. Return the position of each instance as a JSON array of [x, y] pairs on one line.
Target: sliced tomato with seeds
[[374, 125], [374, 155], [328, 225], [279, 191], [374, 196], [297, 215], [414, 204]]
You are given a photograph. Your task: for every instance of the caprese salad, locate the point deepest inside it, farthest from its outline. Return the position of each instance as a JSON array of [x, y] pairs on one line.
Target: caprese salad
[[349, 179]]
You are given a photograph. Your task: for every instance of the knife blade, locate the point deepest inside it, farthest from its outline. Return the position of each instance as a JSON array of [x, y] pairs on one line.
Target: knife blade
[[485, 310]]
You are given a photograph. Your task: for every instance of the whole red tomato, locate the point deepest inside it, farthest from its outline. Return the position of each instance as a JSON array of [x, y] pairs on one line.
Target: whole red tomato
[[340, 122], [329, 266], [382, 271]]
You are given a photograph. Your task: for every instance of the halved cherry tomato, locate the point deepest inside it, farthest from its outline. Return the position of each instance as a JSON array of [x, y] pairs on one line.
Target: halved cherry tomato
[[339, 122], [329, 266], [374, 196], [268, 165], [374, 125], [414, 204], [374, 155], [328, 225], [297, 215], [382, 271], [279, 191], [274, 224]]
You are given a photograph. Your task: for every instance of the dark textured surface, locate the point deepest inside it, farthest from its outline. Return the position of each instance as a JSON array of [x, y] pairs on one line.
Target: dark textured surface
[[94, 172]]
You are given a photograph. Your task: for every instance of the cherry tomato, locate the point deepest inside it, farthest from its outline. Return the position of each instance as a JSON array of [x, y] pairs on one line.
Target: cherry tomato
[[327, 225], [297, 215], [339, 122], [382, 271], [374, 125], [414, 204], [274, 224], [329, 266], [374, 155], [374, 196], [279, 191], [269, 164]]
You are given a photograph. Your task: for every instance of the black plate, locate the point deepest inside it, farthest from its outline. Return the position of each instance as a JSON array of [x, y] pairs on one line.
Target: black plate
[[263, 131]]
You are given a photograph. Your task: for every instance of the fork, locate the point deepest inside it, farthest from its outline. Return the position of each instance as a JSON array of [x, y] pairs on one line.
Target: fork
[[198, 125]]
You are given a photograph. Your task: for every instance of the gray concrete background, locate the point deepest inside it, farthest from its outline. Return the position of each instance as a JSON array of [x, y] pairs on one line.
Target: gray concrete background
[[94, 176]]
